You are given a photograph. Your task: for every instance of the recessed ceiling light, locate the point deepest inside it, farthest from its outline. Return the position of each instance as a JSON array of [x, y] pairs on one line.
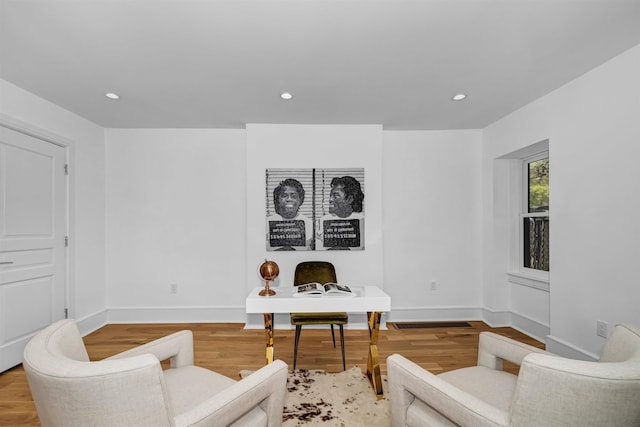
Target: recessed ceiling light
[[286, 95], [459, 97], [112, 95]]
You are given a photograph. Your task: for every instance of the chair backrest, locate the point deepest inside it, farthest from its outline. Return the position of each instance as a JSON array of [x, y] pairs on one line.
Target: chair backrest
[[552, 390], [69, 390], [314, 271], [623, 345]]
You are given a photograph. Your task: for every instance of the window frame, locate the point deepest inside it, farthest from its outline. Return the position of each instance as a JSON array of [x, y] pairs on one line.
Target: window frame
[[518, 273]]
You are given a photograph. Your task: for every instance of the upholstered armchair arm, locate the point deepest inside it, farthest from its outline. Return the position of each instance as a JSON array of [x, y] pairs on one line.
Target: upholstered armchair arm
[[265, 388], [494, 348], [178, 347], [408, 381]]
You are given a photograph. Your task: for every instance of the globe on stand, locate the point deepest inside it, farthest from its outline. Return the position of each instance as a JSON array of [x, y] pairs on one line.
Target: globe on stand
[[269, 271]]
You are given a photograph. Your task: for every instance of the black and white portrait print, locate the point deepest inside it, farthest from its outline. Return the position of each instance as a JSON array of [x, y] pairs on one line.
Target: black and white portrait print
[[315, 209]]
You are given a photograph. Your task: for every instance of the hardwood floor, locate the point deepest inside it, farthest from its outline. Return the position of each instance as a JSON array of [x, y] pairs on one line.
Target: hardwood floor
[[227, 348]]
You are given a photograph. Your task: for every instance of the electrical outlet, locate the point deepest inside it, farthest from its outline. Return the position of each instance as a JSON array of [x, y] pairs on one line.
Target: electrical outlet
[[602, 329], [434, 285], [173, 288]]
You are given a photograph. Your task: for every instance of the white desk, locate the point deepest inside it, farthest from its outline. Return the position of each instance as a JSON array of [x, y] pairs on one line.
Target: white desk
[[369, 299]]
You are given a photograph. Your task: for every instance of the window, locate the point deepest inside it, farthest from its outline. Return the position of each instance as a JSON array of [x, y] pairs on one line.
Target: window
[[522, 182], [535, 214]]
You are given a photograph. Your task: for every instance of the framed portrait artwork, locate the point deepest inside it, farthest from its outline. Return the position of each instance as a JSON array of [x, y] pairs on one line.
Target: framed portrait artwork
[[314, 209]]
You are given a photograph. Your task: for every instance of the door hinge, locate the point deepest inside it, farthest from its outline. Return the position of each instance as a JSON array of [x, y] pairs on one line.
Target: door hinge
[[66, 169], [66, 241], [66, 313]]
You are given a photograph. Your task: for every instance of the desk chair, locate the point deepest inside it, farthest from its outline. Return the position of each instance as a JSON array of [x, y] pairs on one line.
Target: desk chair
[[321, 272]]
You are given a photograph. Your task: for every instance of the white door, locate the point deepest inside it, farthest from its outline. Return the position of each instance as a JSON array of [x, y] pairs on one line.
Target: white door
[[33, 265]]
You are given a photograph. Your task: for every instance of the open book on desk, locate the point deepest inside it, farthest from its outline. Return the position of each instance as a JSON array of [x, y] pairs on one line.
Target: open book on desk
[[315, 289]]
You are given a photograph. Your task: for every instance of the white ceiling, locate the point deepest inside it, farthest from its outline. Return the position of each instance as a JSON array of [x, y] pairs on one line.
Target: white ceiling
[[223, 63]]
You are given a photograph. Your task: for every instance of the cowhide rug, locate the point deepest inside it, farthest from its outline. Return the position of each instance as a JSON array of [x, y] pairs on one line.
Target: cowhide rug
[[345, 399]]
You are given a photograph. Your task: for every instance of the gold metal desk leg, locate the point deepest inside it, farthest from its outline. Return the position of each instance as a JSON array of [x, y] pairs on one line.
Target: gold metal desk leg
[[373, 364], [268, 334]]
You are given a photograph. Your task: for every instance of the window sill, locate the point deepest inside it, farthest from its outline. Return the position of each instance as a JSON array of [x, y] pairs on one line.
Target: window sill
[[532, 281]]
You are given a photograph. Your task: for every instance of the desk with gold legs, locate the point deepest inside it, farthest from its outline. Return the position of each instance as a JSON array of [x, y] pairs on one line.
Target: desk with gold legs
[[373, 364], [369, 299]]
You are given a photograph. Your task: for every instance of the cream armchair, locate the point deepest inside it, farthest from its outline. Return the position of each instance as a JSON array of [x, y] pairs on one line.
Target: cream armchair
[[131, 389], [549, 390]]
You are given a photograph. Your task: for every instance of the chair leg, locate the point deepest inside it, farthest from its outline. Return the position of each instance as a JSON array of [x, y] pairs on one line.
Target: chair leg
[[344, 366], [295, 345], [333, 336]]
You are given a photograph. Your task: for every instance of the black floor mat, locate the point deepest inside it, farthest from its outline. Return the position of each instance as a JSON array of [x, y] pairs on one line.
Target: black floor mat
[[430, 325]]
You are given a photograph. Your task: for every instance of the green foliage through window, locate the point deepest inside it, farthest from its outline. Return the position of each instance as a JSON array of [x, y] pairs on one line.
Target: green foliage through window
[[539, 185]]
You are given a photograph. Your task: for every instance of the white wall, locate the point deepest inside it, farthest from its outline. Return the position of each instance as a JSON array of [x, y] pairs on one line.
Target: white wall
[[176, 215], [86, 199], [594, 132], [169, 188], [186, 206], [431, 223]]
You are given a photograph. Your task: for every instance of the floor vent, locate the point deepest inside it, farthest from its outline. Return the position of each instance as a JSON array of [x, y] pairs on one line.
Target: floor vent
[[431, 325]]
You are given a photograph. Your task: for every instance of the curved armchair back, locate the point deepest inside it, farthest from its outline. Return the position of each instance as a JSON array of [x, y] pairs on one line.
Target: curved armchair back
[[552, 389], [69, 390], [623, 345]]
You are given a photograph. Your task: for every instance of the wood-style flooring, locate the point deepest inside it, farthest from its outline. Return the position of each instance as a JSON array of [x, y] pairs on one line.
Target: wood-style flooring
[[227, 348]]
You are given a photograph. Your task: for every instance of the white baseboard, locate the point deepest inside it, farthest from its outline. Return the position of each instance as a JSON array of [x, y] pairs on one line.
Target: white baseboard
[[562, 348], [528, 326], [123, 315], [227, 314], [427, 314], [531, 327], [88, 324], [255, 321], [538, 331], [496, 319]]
